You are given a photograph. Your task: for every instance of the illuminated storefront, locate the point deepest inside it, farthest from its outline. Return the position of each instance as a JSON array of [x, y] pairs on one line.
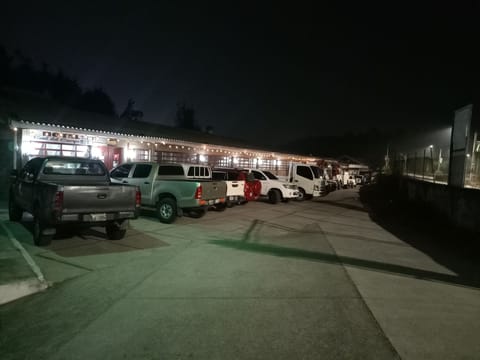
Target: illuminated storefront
[[40, 139]]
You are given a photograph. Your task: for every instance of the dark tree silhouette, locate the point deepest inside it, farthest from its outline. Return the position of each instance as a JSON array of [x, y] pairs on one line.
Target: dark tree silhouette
[[18, 71], [96, 100], [185, 117], [131, 113]]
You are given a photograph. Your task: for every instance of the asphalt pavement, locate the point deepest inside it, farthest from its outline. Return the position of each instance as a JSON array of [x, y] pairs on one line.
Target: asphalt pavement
[[319, 279]]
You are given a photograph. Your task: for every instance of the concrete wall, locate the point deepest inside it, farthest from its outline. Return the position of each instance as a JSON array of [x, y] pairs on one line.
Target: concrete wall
[[461, 206]]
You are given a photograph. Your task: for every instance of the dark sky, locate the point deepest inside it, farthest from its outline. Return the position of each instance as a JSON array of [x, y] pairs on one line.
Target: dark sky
[[263, 72]]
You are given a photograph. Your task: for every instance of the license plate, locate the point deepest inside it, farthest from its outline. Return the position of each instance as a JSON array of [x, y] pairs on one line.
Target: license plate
[[99, 217], [211, 202]]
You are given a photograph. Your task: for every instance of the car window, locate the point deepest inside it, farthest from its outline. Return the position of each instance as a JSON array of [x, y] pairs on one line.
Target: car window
[[218, 175], [316, 171], [304, 171], [74, 167], [171, 170], [258, 175], [122, 171], [142, 171], [270, 175]]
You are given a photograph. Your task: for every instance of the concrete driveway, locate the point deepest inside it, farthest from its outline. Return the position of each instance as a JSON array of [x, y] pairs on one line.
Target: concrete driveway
[[298, 280]]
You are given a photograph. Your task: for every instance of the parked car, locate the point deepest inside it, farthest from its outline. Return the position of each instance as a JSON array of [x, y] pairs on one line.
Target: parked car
[[273, 188], [68, 190], [252, 188], [173, 189], [235, 187]]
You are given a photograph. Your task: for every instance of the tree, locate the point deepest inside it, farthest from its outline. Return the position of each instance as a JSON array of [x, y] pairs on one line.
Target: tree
[[185, 117], [97, 100]]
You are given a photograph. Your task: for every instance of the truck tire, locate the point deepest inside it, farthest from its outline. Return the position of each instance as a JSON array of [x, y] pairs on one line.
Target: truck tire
[[301, 194], [115, 231], [274, 196], [14, 211], [220, 207], [39, 239], [167, 210]]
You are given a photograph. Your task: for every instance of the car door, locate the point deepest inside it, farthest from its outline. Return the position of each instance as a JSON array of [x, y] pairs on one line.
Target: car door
[[120, 173], [263, 179], [140, 176]]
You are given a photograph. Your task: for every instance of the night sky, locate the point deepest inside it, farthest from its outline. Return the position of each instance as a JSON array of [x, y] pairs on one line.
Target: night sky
[[263, 72]]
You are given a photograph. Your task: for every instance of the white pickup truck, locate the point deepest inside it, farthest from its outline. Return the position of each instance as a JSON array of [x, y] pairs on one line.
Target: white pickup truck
[[235, 188], [275, 189]]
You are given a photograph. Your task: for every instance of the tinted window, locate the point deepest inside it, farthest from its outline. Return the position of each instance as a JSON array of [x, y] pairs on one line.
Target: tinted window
[[232, 175], [201, 171], [304, 171], [170, 170], [142, 170], [218, 175], [270, 175], [259, 176], [317, 172], [121, 171]]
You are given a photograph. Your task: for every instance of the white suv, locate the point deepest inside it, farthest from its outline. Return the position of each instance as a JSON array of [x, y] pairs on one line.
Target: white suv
[[273, 187]]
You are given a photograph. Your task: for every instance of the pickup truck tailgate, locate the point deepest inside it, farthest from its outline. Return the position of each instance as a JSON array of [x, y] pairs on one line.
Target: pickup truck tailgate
[[213, 190], [92, 199]]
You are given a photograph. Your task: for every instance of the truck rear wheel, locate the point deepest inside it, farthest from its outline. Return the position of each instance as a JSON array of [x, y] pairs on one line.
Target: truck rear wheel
[[167, 210], [274, 196], [301, 194], [115, 231], [39, 238], [14, 211], [220, 207]]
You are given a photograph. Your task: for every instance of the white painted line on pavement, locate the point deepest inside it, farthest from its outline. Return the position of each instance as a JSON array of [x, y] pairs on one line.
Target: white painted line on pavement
[[36, 270]]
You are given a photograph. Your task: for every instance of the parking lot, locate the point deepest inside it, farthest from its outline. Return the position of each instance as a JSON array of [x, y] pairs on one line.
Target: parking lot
[[313, 279]]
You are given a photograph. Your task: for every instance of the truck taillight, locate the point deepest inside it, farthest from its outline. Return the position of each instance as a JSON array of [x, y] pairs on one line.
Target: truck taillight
[[138, 198], [58, 201], [198, 192]]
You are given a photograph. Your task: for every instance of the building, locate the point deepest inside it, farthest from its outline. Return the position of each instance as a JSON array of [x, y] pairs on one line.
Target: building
[[34, 125]]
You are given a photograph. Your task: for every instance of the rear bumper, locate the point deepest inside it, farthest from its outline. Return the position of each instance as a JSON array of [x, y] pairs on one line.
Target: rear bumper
[[92, 218]]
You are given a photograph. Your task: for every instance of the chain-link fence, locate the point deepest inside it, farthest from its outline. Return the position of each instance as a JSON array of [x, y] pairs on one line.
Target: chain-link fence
[[428, 164]]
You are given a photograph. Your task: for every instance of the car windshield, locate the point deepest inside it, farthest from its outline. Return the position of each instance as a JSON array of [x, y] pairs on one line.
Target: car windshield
[[270, 175], [73, 167], [316, 171]]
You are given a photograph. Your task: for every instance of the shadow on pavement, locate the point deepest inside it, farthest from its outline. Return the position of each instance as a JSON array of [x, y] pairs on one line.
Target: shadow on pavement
[[424, 229], [74, 241], [345, 260]]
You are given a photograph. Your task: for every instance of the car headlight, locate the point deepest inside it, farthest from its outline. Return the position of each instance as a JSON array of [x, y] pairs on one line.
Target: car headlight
[[285, 186], [316, 187]]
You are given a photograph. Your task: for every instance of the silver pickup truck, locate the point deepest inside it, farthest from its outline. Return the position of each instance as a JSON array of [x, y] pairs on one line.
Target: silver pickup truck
[[68, 190], [172, 189]]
